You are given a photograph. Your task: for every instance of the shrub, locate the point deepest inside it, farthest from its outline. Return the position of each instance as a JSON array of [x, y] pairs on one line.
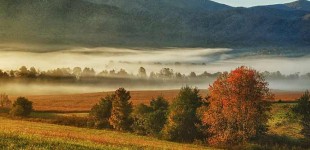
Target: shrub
[[4, 101], [17, 111], [182, 119], [21, 107], [303, 110], [72, 121], [238, 108]]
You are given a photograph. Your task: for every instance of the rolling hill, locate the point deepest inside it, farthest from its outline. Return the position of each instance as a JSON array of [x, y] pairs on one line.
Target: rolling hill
[[147, 23]]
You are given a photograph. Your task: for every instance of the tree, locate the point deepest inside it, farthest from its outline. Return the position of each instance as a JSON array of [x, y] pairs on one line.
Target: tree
[[101, 112], [121, 110], [32, 73], [4, 101], [23, 71], [142, 73], [192, 75], [88, 72], [238, 107], [141, 119], [122, 73], [303, 109], [149, 120], [77, 71], [21, 107], [166, 73], [182, 119]]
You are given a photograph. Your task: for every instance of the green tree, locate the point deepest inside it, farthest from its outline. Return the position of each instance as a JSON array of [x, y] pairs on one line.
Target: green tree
[[182, 123], [303, 109], [149, 120], [21, 107], [121, 109], [101, 112], [141, 118]]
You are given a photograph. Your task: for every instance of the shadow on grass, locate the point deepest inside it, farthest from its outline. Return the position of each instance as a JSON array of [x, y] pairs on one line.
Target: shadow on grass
[[278, 142]]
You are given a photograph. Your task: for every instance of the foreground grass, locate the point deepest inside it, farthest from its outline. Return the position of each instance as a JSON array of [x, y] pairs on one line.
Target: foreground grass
[[17, 134], [280, 123], [23, 141], [22, 134]]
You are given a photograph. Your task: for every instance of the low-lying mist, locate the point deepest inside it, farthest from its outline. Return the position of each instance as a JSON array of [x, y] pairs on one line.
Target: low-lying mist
[[185, 60]]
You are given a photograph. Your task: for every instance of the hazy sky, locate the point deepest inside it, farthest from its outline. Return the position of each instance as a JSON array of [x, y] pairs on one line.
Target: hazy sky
[[249, 3]]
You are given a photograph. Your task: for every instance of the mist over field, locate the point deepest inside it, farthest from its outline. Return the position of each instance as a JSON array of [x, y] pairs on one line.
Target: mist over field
[[183, 60]]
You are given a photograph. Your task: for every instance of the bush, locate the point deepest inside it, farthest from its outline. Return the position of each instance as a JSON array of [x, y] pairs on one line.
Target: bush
[[21, 107], [72, 121], [303, 110], [17, 111], [4, 101]]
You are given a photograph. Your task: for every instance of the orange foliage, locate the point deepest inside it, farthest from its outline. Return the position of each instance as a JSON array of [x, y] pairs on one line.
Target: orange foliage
[[238, 106]]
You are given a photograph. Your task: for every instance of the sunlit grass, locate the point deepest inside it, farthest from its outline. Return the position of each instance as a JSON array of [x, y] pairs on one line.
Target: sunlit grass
[[280, 124], [50, 135]]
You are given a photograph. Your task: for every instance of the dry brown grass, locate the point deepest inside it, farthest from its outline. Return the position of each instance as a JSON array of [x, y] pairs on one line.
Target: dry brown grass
[[84, 102], [287, 95]]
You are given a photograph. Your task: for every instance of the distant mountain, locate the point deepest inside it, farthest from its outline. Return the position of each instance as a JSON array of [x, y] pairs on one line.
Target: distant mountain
[[297, 5], [151, 23], [155, 6]]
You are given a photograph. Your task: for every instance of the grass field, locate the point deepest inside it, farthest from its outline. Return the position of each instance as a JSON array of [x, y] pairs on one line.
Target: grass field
[[18, 134], [84, 102], [23, 134], [280, 124]]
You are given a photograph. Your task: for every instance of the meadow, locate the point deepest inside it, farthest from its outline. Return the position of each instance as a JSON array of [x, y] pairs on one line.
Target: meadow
[[41, 131], [19, 134], [84, 102]]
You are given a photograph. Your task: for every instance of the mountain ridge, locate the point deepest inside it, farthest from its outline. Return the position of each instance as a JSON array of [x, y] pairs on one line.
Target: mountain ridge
[[303, 5], [158, 24]]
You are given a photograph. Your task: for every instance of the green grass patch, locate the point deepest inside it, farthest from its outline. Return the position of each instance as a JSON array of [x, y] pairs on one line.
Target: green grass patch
[[281, 124], [31, 142]]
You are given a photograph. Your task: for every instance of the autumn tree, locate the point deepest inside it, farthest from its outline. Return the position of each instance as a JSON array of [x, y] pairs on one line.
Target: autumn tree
[[303, 110], [238, 108], [121, 109], [101, 112], [182, 119]]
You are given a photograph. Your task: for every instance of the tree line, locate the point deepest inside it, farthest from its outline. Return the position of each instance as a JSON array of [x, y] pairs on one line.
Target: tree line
[[78, 73], [235, 111]]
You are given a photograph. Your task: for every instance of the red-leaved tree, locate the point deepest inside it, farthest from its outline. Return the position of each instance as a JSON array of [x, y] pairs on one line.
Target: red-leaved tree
[[238, 107]]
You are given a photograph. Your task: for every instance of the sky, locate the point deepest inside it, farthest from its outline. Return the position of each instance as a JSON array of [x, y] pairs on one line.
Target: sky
[[250, 3]]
